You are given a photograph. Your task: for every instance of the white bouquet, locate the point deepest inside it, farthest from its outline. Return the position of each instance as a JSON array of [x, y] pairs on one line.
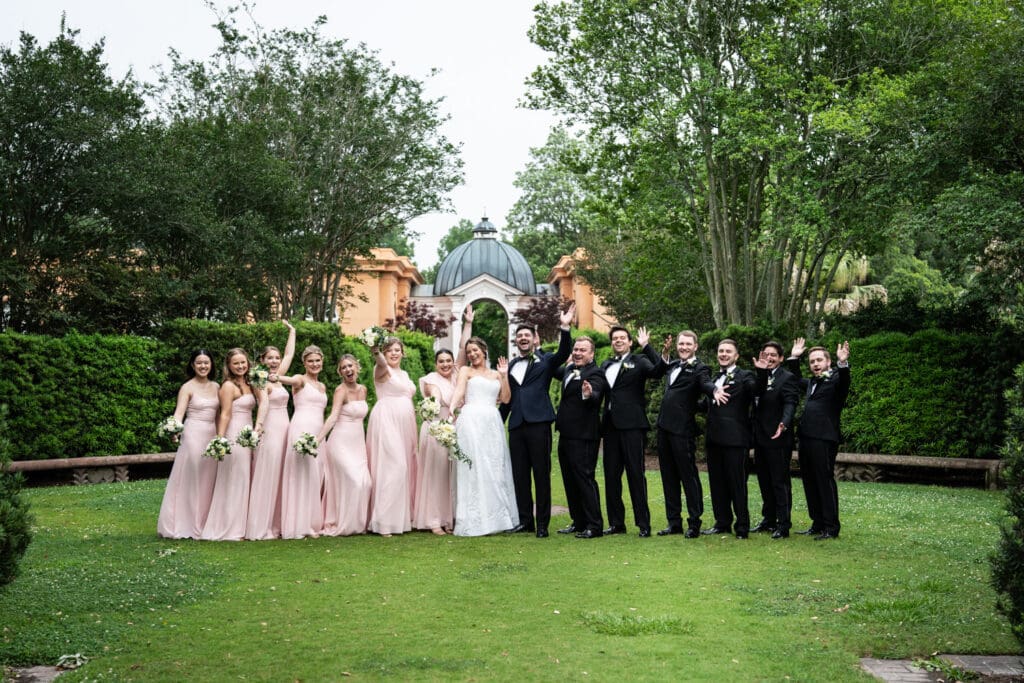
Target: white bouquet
[[429, 408], [248, 437], [170, 427], [217, 448], [374, 336], [444, 432], [258, 376], [306, 444]]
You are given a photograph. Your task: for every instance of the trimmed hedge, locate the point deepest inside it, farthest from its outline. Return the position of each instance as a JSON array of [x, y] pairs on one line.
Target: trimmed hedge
[[928, 393], [15, 520], [84, 395], [1008, 559]]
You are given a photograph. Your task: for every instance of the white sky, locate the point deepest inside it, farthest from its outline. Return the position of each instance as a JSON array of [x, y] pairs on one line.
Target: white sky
[[480, 47]]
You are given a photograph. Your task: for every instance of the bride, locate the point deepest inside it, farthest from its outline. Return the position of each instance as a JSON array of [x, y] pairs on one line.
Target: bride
[[485, 498]]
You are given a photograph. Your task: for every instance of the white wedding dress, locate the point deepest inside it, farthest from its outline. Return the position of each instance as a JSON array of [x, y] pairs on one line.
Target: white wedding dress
[[485, 497]]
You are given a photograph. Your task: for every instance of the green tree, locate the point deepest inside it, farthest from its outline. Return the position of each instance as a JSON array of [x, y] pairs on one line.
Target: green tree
[[1008, 561], [361, 144], [740, 125], [62, 120]]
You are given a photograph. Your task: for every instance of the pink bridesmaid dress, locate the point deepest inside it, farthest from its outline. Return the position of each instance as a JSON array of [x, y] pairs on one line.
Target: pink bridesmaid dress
[[189, 490], [230, 505], [391, 448], [433, 506], [347, 481], [302, 512], [264, 521]]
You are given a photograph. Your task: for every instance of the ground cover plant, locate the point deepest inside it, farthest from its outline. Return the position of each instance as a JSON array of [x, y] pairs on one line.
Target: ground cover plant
[[909, 577]]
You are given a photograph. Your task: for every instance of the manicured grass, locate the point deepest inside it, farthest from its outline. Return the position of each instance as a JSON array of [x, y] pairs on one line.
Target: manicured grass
[[909, 577]]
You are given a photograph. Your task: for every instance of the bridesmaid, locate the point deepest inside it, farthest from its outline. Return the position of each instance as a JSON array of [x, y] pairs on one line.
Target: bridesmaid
[[228, 511], [264, 521], [433, 508], [190, 487], [347, 481], [391, 443], [302, 512]]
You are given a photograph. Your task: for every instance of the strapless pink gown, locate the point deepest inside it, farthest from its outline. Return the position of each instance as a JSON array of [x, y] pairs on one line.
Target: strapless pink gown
[[391, 450], [302, 512], [189, 490], [347, 481], [433, 505], [264, 520], [226, 521]]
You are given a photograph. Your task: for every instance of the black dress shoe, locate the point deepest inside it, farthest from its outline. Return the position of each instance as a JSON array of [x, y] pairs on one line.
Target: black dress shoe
[[644, 533], [671, 530], [779, 533], [741, 534], [589, 533], [614, 530], [812, 531], [568, 530], [762, 527], [691, 533], [825, 536], [520, 529], [542, 533], [714, 530]]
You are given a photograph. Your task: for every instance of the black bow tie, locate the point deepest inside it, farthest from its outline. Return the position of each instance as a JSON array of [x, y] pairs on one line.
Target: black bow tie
[[619, 359]]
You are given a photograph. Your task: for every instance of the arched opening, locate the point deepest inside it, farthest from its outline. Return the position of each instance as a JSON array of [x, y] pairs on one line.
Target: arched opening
[[490, 323]]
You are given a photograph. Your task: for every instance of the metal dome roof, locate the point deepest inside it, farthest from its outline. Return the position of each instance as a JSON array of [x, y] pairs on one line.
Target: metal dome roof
[[484, 254]]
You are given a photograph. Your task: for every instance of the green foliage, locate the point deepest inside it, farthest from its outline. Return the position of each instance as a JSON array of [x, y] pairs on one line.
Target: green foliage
[[15, 520], [83, 395], [1008, 561], [491, 324]]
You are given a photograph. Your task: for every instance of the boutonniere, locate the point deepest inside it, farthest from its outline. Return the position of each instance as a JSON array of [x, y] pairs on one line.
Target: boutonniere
[[771, 382], [575, 373], [691, 362], [730, 377], [825, 376], [627, 364]]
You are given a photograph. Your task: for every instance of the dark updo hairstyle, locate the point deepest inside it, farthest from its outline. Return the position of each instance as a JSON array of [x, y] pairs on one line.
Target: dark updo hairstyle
[[191, 371], [437, 354]]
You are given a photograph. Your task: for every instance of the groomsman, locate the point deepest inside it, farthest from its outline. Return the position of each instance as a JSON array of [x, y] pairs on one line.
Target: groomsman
[[579, 436], [774, 406], [728, 442], [530, 415], [687, 379], [819, 432], [624, 428]]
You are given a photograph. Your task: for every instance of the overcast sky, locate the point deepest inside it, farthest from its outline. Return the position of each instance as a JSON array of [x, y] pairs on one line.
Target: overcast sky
[[480, 47]]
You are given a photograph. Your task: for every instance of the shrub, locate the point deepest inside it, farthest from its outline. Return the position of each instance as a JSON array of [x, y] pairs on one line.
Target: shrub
[[1008, 561], [15, 521]]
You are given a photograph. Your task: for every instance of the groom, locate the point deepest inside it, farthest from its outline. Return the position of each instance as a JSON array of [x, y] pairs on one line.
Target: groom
[[530, 415]]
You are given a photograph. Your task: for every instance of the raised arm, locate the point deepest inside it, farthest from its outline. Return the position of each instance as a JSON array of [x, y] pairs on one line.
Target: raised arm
[[380, 368], [289, 348], [467, 332], [505, 392]]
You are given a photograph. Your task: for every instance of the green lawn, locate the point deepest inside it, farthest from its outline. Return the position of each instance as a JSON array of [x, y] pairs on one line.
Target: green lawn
[[908, 578]]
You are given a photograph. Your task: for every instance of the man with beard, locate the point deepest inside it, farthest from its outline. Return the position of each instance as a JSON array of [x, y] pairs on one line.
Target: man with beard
[[775, 402], [624, 428], [579, 436], [530, 415]]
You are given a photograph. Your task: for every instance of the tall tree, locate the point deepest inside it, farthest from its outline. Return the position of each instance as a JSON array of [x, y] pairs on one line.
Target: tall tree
[[61, 122], [736, 122], [362, 144]]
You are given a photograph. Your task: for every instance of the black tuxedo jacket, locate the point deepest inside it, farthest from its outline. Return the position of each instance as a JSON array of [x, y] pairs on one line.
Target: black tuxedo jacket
[[823, 407], [729, 424], [679, 403], [625, 403], [530, 401], [579, 418], [776, 402]]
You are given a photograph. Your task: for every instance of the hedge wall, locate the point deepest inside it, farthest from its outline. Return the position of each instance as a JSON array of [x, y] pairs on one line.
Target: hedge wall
[[927, 393], [82, 395]]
